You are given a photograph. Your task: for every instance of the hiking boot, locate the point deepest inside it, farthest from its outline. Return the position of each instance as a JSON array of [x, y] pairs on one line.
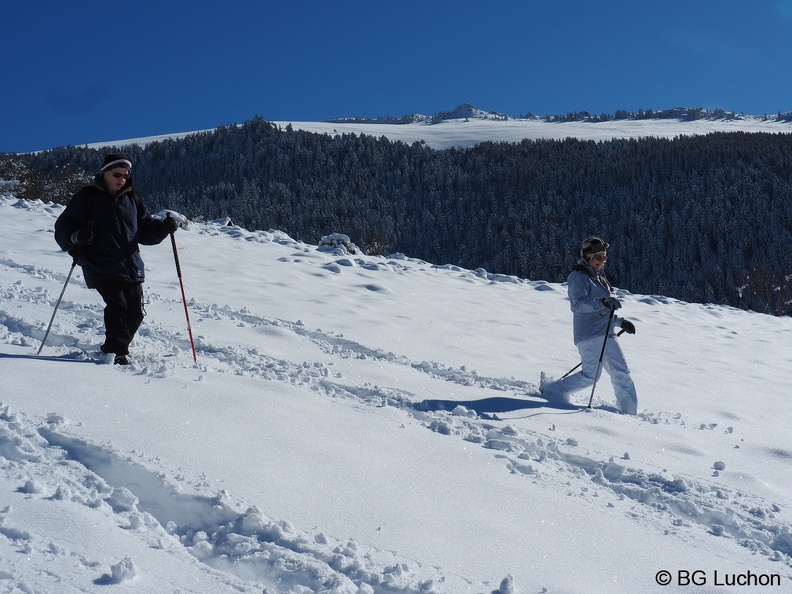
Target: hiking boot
[[543, 381], [549, 390], [121, 360]]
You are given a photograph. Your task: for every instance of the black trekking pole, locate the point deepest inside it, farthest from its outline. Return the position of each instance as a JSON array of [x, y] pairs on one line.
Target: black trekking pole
[[184, 298], [622, 331], [602, 353], [57, 304]]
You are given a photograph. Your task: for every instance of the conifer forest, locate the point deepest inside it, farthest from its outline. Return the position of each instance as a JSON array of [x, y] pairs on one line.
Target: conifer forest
[[698, 218]]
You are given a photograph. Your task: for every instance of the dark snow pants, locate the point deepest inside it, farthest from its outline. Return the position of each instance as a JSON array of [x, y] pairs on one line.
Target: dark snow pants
[[123, 313]]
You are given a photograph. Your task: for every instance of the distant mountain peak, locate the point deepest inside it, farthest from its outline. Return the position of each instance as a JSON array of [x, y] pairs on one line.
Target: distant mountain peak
[[464, 111], [469, 111]]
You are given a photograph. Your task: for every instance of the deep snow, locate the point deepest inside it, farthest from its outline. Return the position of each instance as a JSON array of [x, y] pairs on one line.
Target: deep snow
[[369, 424]]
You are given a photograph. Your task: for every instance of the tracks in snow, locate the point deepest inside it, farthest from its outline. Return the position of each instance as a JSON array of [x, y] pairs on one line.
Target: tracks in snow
[[679, 502], [682, 502]]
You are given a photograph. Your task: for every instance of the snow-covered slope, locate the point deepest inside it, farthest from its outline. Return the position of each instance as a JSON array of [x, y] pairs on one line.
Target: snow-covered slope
[[362, 424]]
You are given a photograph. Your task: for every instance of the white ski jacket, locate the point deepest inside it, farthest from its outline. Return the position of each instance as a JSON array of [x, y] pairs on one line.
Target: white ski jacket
[[586, 290]]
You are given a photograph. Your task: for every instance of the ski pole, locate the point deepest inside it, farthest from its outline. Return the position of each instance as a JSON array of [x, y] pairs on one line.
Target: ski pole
[[57, 303], [76, 257], [622, 331], [602, 353], [184, 298]]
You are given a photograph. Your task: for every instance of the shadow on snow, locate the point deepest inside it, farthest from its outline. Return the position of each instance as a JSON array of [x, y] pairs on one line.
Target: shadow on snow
[[489, 408]]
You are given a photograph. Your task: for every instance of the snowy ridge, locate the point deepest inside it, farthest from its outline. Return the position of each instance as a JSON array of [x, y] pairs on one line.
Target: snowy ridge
[[245, 473], [468, 126], [462, 111]]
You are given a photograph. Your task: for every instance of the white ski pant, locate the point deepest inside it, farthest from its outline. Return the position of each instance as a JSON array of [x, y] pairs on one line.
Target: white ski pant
[[613, 362]]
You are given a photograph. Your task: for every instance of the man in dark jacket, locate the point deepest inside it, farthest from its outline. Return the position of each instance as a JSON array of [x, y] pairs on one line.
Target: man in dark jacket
[[102, 226]]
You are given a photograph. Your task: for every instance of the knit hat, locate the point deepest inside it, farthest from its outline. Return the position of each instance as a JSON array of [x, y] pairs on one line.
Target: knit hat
[[591, 246], [115, 160]]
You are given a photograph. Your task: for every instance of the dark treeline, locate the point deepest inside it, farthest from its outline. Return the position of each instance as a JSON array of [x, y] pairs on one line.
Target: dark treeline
[[702, 218]]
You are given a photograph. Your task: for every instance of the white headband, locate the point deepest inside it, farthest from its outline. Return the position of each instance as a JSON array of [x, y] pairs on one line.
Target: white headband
[[117, 162]]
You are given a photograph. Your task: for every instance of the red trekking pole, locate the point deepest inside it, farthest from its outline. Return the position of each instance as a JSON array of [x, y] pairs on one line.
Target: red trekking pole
[[184, 298]]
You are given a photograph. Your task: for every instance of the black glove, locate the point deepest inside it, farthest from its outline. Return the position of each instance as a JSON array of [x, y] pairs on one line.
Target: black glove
[[628, 326], [83, 236], [611, 303], [169, 225]]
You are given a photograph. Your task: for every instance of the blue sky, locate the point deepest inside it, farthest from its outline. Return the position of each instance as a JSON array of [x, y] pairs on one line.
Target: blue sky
[[87, 71]]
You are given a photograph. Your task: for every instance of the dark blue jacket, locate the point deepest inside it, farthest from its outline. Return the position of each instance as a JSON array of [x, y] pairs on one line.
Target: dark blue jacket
[[120, 223]]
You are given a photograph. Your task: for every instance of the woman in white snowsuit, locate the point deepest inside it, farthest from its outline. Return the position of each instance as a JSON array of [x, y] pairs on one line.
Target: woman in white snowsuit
[[591, 303]]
